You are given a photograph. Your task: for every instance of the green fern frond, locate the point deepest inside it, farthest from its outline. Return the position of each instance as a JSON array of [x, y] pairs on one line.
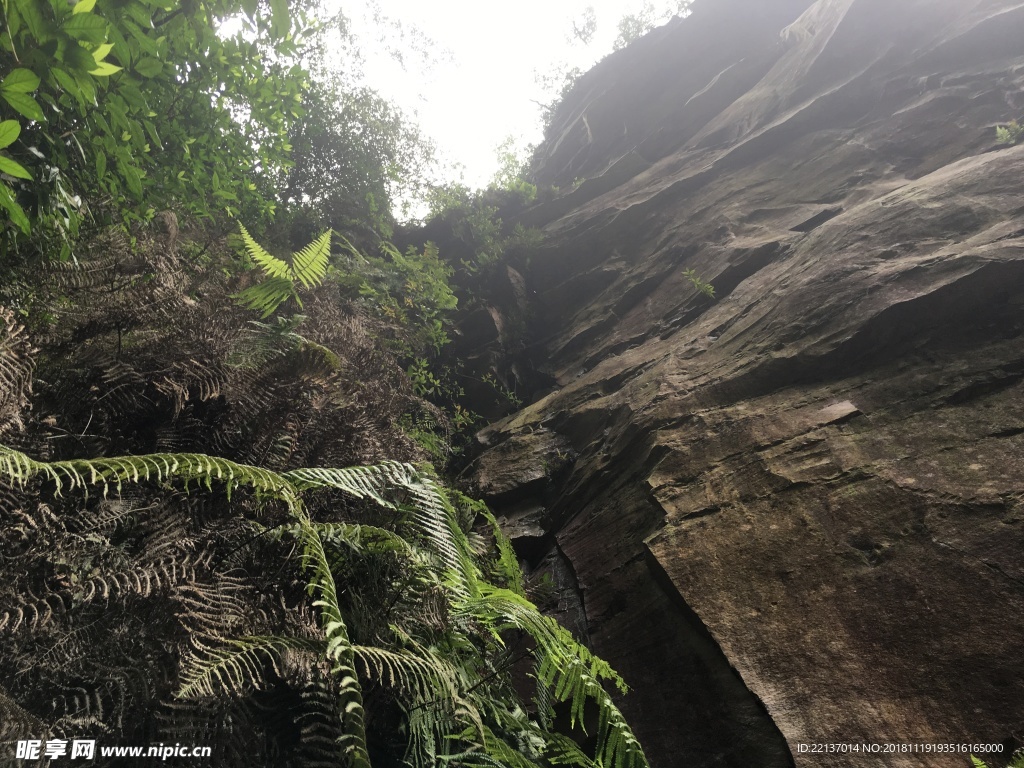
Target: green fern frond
[[508, 561], [430, 512], [239, 663], [271, 265], [427, 677], [445, 683], [267, 296], [309, 266], [567, 667], [366, 482], [361, 537], [157, 467], [437, 521], [496, 753], [561, 750], [339, 647], [1010, 133]]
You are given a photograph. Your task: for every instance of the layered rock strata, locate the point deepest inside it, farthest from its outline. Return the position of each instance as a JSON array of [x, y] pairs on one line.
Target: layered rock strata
[[791, 514]]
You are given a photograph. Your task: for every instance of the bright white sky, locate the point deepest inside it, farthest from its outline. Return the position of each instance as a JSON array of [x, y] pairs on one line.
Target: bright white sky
[[483, 86]]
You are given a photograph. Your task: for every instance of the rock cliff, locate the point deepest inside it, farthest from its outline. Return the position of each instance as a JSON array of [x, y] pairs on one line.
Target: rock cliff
[[793, 514]]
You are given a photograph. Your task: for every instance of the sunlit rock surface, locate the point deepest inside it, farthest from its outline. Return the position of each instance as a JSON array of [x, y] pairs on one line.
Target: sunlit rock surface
[[792, 514]]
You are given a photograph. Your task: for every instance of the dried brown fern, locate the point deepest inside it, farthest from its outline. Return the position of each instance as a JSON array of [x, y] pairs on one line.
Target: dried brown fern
[[315, 616], [141, 350], [16, 364]]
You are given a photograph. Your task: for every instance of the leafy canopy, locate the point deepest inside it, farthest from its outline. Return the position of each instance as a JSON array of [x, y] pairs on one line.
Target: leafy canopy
[[113, 110], [108, 95]]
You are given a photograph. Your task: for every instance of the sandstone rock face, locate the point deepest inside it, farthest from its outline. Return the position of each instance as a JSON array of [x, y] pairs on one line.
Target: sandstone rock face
[[793, 514]]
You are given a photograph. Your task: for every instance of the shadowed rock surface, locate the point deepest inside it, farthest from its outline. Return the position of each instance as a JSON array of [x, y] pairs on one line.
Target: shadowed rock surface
[[792, 514]]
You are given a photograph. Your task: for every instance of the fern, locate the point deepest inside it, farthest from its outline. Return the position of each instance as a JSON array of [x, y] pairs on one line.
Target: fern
[[15, 370], [562, 750], [451, 681], [160, 467], [569, 668], [358, 537], [339, 647], [424, 676], [430, 511], [308, 268], [508, 562], [495, 753], [1010, 133], [15, 722], [271, 265], [1016, 761], [237, 663]]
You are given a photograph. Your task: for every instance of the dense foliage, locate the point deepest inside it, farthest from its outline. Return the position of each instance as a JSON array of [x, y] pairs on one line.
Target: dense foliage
[[116, 109], [331, 616], [111, 98], [217, 526]]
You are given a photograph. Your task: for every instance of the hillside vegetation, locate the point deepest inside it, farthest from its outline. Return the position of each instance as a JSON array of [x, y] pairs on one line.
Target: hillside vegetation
[[219, 399]]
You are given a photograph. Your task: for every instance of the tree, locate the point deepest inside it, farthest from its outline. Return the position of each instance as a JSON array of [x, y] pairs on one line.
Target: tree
[[352, 156], [584, 27], [126, 107]]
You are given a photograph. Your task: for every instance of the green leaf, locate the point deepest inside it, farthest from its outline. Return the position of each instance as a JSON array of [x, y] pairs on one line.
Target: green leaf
[[148, 67], [105, 69], [67, 82], [102, 122], [122, 49], [102, 52], [9, 132], [31, 12], [24, 104], [144, 42], [101, 164], [310, 264], [20, 81], [77, 57], [17, 214], [153, 135], [131, 175], [88, 88], [12, 168], [133, 96], [142, 15], [268, 295], [86, 27], [83, 6], [271, 265], [279, 17]]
